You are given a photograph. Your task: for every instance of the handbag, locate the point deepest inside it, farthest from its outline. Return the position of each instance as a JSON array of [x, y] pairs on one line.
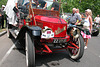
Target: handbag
[[87, 32]]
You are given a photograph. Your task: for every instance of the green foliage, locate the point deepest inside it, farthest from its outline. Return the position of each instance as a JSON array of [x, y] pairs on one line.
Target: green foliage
[[3, 2], [94, 5]]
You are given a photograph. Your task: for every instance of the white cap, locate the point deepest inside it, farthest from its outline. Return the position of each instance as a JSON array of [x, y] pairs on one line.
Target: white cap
[[3, 5], [88, 10]]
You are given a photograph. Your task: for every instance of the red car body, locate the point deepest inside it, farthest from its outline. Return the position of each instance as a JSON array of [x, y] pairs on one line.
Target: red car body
[[54, 22], [42, 31]]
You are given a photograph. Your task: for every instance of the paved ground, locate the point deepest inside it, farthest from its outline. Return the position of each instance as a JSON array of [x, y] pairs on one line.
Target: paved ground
[[10, 57]]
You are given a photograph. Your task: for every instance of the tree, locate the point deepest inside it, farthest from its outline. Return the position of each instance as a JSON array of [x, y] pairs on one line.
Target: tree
[[3, 2], [94, 5]]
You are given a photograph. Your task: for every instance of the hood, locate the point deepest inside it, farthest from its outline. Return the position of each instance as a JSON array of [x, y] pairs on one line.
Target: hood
[[56, 24]]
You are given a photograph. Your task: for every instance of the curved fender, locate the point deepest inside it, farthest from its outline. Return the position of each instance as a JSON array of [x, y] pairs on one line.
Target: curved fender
[[33, 30], [86, 31], [71, 26]]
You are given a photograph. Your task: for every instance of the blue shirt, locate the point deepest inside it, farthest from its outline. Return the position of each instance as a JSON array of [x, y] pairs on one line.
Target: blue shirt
[[74, 18]]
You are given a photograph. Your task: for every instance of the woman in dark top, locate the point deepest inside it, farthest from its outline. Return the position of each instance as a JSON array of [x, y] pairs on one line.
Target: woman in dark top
[[55, 6], [42, 4]]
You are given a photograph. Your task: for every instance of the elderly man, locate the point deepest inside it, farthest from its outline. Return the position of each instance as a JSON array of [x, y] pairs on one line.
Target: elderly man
[[77, 11], [74, 17]]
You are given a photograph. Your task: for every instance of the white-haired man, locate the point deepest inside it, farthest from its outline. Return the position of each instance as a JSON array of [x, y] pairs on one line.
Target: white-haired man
[[77, 11], [74, 17]]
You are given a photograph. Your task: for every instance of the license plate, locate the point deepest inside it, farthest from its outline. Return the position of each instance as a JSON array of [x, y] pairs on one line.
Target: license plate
[[59, 40]]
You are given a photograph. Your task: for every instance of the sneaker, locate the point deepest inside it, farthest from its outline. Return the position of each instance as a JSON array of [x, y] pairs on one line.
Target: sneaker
[[85, 47]]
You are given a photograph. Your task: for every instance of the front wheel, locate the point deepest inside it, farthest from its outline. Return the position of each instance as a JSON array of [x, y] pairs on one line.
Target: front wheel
[[30, 51], [76, 53]]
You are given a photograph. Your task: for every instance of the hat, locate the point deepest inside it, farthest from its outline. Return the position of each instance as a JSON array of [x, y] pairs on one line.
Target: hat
[[3, 5], [88, 10]]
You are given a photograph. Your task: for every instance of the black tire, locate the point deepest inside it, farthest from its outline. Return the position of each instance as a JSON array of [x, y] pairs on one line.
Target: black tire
[[79, 52], [96, 33], [30, 51], [9, 35]]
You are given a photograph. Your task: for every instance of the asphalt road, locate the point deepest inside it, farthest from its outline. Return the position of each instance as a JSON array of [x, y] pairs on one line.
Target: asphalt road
[[10, 57]]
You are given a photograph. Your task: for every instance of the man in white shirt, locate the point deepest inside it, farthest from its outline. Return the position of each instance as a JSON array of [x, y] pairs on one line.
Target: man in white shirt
[[97, 19], [10, 12]]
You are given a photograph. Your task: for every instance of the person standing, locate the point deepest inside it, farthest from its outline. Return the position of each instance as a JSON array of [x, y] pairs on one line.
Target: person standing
[[55, 6], [2, 12], [10, 12], [97, 19], [77, 11], [0, 19], [38, 3], [87, 26], [42, 4], [74, 17]]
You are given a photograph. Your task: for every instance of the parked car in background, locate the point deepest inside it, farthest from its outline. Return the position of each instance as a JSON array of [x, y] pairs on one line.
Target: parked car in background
[[96, 28]]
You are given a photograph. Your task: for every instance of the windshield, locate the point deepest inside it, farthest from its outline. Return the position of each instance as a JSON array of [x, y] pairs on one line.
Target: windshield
[[43, 4], [49, 7]]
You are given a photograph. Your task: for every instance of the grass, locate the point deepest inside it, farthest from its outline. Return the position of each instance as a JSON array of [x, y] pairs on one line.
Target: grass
[[2, 30]]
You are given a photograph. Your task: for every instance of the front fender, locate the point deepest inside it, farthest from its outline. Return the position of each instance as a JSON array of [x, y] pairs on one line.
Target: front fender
[[75, 26], [33, 30], [74, 31]]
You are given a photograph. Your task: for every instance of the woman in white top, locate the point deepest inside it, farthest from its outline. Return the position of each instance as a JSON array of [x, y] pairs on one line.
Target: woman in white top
[[88, 26]]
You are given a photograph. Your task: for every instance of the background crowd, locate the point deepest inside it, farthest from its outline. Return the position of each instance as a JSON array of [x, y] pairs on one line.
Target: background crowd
[[87, 25], [3, 17]]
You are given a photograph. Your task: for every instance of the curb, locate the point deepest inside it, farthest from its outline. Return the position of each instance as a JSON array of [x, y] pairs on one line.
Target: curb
[[2, 33]]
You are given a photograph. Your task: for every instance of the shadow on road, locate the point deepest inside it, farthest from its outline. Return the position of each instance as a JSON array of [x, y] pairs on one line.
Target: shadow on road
[[47, 60], [53, 59]]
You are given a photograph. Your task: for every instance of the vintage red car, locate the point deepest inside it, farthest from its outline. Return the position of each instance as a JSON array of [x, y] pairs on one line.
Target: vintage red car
[[44, 32]]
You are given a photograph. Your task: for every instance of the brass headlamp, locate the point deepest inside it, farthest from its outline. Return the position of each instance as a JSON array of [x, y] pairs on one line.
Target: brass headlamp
[[75, 32]]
